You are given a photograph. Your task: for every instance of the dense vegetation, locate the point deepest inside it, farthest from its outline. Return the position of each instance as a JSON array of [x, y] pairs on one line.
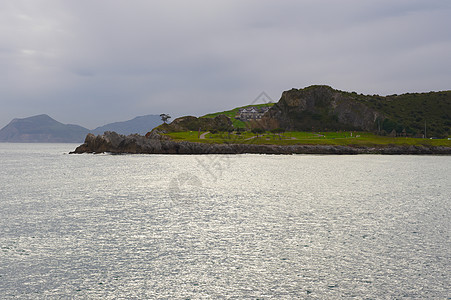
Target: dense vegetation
[[412, 112]]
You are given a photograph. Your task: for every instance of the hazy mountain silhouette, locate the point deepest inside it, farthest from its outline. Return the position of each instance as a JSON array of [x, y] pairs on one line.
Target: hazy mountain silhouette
[[44, 129], [140, 125], [41, 129]]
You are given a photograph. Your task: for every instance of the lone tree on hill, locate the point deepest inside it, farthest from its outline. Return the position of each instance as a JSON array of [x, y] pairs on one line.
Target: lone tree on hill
[[165, 117]]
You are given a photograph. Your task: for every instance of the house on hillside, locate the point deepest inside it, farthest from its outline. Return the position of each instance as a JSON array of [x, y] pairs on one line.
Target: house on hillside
[[251, 113]]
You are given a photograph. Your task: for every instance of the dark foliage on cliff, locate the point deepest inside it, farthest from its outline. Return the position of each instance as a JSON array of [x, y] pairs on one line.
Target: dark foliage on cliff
[[412, 111], [323, 108], [189, 123]]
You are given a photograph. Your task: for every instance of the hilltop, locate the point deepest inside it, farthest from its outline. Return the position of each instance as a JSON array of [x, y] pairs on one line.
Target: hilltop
[[322, 108]]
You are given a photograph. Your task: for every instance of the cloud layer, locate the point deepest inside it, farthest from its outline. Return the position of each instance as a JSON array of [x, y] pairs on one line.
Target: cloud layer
[[94, 62]]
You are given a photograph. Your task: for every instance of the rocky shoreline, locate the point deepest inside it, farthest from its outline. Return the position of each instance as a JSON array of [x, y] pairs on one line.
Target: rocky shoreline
[[111, 142]]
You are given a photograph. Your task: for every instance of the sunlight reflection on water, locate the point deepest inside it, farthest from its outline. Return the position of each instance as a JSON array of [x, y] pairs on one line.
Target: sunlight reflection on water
[[156, 226]]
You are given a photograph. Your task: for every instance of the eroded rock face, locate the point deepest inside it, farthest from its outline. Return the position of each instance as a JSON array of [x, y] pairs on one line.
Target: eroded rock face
[[323, 108], [112, 142]]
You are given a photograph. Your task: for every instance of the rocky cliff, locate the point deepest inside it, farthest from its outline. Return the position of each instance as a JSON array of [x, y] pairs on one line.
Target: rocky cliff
[[154, 143], [322, 108]]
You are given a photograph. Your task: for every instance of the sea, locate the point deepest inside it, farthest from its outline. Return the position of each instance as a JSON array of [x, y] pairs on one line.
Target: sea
[[102, 226]]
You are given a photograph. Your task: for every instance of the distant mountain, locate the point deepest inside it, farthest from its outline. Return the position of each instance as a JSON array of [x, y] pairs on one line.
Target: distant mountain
[[44, 129], [41, 129], [140, 125]]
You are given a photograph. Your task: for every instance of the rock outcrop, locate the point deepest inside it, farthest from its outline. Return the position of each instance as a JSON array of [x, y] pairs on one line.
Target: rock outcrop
[[112, 142], [190, 123], [322, 108]]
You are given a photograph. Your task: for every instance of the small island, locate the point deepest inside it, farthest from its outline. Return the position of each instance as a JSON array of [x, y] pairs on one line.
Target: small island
[[314, 120]]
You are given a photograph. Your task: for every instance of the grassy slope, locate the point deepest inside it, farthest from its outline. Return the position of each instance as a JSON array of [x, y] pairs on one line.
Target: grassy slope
[[308, 138], [232, 113]]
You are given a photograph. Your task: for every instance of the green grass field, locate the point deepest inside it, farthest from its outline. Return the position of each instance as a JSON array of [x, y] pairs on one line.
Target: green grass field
[[233, 112], [306, 138]]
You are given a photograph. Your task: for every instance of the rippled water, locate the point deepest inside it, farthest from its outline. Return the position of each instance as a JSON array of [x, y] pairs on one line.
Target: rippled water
[[243, 226]]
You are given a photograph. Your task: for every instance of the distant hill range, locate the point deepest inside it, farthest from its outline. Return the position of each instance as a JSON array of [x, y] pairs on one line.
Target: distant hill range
[[44, 129], [140, 125], [41, 129]]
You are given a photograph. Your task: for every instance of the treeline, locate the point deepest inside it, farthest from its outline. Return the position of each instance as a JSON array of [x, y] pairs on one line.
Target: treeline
[[413, 113]]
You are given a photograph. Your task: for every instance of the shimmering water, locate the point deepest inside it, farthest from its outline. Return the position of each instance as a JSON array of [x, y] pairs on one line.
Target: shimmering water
[[244, 226]]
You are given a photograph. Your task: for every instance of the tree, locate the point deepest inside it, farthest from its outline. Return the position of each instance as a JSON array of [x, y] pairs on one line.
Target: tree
[[239, 131], [278, 131], [165, 117], [258, 131], [226, 128]]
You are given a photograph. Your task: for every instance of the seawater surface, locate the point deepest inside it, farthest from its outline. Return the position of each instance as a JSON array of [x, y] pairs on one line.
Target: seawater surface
[[212, 226]]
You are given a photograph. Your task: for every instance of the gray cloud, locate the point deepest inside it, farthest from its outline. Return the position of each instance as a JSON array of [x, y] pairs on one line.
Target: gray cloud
[[93, 62]]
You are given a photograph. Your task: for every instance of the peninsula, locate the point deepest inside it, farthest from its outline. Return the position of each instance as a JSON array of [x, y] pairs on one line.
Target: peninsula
[[313, 120]]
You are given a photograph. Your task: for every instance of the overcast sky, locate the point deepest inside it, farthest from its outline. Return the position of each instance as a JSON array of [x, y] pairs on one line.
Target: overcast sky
[[91, 62]]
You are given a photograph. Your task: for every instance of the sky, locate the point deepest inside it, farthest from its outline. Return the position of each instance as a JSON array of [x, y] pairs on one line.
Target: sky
[[91, 62]]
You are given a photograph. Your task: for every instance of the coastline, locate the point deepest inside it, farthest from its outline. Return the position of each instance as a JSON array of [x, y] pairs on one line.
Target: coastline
[[114, 143]]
